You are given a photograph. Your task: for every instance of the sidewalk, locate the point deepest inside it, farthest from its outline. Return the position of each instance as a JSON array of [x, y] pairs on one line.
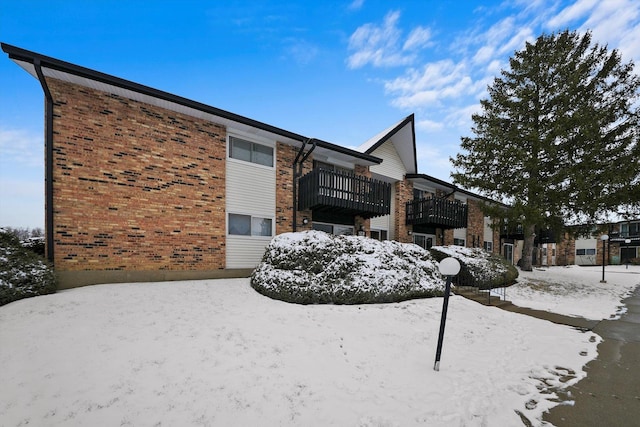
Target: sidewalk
[[610, 394]]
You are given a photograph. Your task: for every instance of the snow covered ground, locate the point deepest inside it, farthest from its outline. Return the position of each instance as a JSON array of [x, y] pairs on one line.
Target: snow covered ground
[[217, 353], [576, 291]]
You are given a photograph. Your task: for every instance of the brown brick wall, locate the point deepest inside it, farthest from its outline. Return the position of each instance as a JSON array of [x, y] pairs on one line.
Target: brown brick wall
[[136, 187], [566, 251], [403, 193], [448, 236], [285, 155], [475, 225], [496, 241]]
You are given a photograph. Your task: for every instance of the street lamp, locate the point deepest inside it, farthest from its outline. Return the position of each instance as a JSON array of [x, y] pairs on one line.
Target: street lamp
[[604, 239], [627, 242], [448, 267]]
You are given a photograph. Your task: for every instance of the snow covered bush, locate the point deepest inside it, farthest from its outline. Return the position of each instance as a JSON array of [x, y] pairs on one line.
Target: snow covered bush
[[478, 267], [34, 244], [313, 267], [23, 273]]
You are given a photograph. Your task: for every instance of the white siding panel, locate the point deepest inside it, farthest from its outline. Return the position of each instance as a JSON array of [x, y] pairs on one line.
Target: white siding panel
[[584, 243], [392, 217], [251, 190], [245, 252], [381, 222], [391, 165], [488, 231]]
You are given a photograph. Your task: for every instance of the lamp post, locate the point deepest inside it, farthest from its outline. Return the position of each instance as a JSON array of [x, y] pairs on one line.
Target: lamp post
[[448, 267], [627, 242], [604, 239]]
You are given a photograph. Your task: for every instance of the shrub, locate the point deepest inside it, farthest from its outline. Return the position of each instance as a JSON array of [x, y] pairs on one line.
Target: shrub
[[478, 267], [34, 244], [23, 273], [313, 267]]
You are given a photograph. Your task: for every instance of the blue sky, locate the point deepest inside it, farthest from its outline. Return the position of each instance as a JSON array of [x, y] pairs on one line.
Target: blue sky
[[341, 71]]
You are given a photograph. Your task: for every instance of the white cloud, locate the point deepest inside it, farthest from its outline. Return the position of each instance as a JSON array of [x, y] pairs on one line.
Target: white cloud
[[516, 41], [21, 147], [429, 125], [484, 54], [382, 46], [301, 51], [572, 13], [437, 80], [615, 23], [461, 117], [438, 162], [444, 89], [419, 37], [22, 202], [356, 5]]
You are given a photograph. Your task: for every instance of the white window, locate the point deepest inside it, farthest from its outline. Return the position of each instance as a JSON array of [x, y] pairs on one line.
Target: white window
[[581, 252], [379, 234], [488, 246], [630, 229], [247, 225], [342, 230], [336, 229], [248, 151], [458, 242], [423, 240]]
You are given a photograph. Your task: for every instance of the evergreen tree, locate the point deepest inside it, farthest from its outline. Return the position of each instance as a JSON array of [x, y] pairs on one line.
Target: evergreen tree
[[557, 137]]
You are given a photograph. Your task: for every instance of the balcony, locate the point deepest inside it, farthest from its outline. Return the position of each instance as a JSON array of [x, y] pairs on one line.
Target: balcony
[[512, 231], [439, 213], [344, 193]]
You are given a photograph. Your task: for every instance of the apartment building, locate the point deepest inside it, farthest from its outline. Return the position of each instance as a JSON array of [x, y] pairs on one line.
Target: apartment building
[[144, 185]]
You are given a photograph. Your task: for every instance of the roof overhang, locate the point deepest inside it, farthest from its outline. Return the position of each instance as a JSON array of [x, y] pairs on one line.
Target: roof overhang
[[403, 137], [431, 182], [71, 73]]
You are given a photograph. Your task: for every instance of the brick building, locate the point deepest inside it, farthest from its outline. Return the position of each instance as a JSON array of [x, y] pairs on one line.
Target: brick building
[[144, 185]]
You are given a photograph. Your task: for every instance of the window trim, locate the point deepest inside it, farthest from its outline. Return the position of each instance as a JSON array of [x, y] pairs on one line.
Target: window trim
[[333, 228], [380, 231], [251, 218], [253, 142], [426, 237]]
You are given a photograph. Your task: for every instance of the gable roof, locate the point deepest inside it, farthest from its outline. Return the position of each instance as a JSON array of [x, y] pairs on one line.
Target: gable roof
[[403, 137], [68, 72]]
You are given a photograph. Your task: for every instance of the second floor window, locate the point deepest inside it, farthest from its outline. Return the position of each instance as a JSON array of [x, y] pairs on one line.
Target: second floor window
[[630, 229], [421, 194], [329, 167], [250, 151]]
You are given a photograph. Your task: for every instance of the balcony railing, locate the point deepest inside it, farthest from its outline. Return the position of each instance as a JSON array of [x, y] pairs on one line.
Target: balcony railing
[[344, 192], [512, 231], [435, 212]]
